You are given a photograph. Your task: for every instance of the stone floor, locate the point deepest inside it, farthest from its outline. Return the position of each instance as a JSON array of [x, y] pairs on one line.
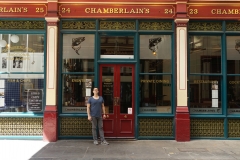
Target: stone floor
[[120, 150]]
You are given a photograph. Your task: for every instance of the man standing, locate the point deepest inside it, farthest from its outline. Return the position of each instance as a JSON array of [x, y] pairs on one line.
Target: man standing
[[95, 106]]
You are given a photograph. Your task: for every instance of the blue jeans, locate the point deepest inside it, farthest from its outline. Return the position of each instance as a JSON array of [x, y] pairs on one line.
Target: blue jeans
[[97, 122]]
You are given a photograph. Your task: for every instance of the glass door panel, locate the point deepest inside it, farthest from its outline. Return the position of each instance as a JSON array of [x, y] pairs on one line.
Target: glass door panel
[[107, 88], [125, 89]]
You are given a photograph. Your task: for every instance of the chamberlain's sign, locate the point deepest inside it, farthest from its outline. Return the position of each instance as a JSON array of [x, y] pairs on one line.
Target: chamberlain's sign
[[116, 11], [23, 10], [213, 11]]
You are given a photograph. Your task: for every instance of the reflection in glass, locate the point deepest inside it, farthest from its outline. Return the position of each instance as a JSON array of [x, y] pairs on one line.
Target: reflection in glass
[[107, 88], [233, 55], [78, 65], [117, 45], [76, 90], [205, 94], [155, 94], [233, 94], [155, 53], [125, 89], [205, 54], [22, 52], [13, 92]]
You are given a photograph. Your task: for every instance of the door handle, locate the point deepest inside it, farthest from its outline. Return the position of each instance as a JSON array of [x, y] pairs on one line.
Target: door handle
[[107, 116], [125, 116], [116, 101]]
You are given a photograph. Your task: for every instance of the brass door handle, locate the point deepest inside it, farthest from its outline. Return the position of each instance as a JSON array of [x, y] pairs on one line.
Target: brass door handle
[[107, 116], [116, 101], [125, 116]]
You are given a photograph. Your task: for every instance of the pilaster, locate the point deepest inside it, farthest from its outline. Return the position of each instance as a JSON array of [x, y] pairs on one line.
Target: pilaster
[[182, 112], [50, 113]]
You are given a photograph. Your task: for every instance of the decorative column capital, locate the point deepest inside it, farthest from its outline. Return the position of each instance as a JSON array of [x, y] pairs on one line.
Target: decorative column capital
[[52, 21], [181, 22]]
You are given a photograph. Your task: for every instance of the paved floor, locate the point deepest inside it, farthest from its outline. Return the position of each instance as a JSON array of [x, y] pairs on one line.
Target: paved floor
[[120, 150]]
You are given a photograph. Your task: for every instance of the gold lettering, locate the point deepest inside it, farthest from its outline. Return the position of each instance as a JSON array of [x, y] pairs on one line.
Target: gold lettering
[[224, 12], [125, 10], [213, 11], [141, 10], [120, 10], [93, 10], [99, 10], [230, 11], [87, 10], [115, 10], [132, 11], [105, 10], [110, 10], [25, 10], [236, 11]]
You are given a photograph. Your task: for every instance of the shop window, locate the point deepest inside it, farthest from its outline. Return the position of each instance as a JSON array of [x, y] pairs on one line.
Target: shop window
[[78, 53], [205, 54], [76, 91], [233, 71], [205, 87], [22, 53], [155, 53], [22, 72], [205, 94], [155, 81], [77, 71], [155, 94], [118, 47]]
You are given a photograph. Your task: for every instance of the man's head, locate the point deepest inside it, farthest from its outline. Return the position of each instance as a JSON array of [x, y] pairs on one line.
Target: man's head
[[95, 91]]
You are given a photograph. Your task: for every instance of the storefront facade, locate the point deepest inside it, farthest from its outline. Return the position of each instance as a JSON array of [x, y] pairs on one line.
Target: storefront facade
[[166, 69]]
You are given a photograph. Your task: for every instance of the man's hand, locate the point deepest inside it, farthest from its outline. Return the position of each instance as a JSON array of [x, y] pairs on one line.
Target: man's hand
[[104, 116], [89, 118]]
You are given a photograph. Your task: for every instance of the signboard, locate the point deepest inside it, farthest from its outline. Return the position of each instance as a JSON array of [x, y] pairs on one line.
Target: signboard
[[35, 100], [74, 109], [23, 10], [213, 11], [116, 11], [205, 110]]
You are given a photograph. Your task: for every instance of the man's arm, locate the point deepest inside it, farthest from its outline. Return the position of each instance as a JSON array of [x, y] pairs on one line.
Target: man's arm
[[103, 110], [88, 112]]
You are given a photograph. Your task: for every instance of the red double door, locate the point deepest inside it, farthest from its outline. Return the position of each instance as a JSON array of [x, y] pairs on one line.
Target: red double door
[[117, 89]]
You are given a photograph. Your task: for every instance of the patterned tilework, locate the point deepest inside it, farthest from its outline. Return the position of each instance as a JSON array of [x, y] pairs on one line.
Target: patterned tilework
[[21, 126]]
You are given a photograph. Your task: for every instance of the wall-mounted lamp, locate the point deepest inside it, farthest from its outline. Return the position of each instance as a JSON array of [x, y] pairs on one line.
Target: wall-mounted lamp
[[3, 43], [153, 44], [237, 45]]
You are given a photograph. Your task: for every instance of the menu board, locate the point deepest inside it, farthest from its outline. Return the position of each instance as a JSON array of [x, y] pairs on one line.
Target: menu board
[[107, 88], [35, 100]]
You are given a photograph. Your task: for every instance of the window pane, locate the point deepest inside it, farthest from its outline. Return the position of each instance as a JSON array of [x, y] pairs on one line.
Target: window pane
[[117, 47], [78, 52], [14, 92], [233, 54], [155, 53], [233, 92], [22, 53], [155, 94], [205, 54], [78, 65], [75, 93], [205, 95]]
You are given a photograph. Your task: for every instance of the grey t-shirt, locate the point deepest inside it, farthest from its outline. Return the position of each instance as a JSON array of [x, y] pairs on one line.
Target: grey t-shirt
[[96, 106]]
